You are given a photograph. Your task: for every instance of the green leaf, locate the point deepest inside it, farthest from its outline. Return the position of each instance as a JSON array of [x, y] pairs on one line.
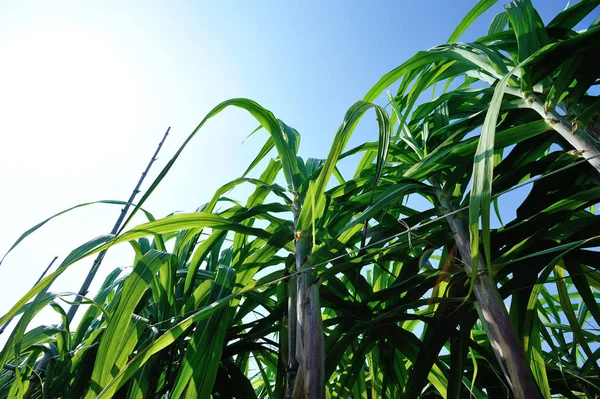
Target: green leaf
[[578, 274], [185, 221], [574, 14], [349, 375], [498, 23], [483, 173], [481, 7], [386, 199], [285, 148], [569, 312], [353, 116], [561, 83], [43, 284], [586, 116], [120, 333], [37, 226], [267, 147], [198, 371], [537, 361], [526, 26]]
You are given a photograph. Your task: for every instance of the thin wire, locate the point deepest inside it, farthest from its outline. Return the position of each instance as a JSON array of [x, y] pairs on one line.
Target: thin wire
[[452, 213], [184, 315], [390, 323], [408, 231], [378, 325]]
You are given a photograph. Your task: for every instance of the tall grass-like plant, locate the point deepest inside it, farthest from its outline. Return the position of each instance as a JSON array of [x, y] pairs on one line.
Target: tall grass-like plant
[[332, 285]]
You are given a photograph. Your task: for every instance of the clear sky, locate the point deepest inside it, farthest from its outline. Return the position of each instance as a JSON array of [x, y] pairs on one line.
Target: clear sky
[[87, 90]]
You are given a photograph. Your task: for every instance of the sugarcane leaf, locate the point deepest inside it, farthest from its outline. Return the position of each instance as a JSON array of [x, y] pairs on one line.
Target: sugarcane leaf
[[197, 374], [120, 333], [472, 15], [483, 173], [570, 17], [498, 23], [278, 131], [42, 223], [353, 116], [578, 274], [530, 33]]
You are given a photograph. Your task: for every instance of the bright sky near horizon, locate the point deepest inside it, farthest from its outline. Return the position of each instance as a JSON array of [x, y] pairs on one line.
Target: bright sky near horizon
[[87, 90]]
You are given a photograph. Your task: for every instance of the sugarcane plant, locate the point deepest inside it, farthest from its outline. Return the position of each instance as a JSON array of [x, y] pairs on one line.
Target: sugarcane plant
[[529, 82], [405, 275]]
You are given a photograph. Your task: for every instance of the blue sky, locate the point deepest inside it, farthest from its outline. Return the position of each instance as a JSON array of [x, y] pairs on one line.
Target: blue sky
[[88, 89]]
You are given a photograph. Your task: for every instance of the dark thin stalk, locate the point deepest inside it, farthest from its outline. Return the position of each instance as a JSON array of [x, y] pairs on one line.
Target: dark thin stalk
[[92, 273], [98, 261], [493, 313]]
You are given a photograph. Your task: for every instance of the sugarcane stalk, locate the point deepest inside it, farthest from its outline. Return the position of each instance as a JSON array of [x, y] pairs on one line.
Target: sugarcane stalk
[[492, 311], [306, 371], [292, 365], [314, 381], [580, 137]]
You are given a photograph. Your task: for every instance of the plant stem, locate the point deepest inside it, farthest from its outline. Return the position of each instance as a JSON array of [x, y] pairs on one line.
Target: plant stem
[[92, 273], [582, 139], [292, 364], [41, 367], [493, 313], [307, 380]]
